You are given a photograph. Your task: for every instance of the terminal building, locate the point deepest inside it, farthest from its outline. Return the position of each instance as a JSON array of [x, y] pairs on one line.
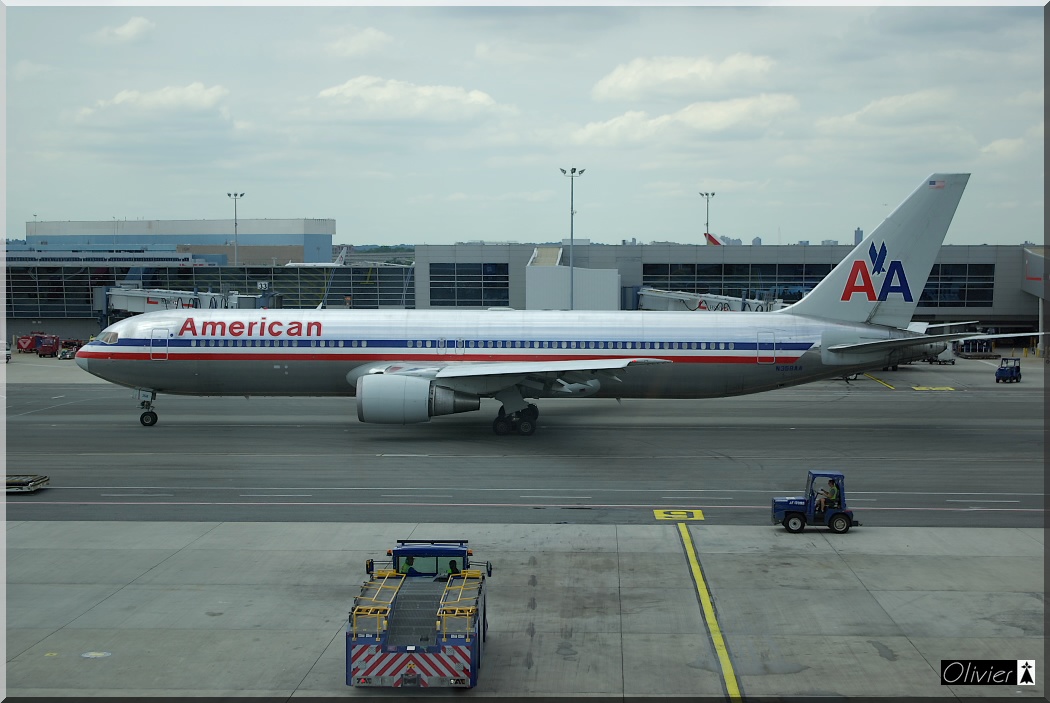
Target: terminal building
[[57, 279]]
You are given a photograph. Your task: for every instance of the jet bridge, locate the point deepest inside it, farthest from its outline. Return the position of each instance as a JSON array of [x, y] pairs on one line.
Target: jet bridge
[[139, 300]]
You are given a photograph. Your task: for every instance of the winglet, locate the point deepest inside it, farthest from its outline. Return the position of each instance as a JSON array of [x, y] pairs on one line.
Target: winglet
[[882, 278]]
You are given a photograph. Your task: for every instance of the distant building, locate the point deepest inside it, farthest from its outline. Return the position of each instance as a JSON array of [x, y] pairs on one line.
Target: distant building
[[858, 234], [61, 283], [257, 242], [829, 242], [756, 242]]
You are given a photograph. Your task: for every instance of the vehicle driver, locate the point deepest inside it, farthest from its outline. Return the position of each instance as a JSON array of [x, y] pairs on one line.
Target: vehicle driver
[[407, 568], [828, 496]]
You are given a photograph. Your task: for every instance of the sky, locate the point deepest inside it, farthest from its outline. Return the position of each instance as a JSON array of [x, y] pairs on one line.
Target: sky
[[445, 124]]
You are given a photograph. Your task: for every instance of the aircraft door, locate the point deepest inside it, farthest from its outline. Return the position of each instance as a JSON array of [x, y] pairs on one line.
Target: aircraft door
[[158, 344], [767, 348]]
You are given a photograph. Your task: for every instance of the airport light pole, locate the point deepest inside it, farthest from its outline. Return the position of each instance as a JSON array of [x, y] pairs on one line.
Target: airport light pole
[[707, 221], [572, 174], [236, 197]]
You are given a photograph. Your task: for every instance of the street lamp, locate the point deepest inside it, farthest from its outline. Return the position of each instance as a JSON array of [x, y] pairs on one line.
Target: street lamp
[[573, 174], [236, 197], [707, 222]]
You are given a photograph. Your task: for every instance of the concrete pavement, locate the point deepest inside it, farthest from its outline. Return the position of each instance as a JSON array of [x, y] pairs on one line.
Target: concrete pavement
[[188, 608]]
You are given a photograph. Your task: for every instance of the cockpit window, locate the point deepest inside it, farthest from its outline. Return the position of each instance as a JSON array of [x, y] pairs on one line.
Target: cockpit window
[[108, 338]]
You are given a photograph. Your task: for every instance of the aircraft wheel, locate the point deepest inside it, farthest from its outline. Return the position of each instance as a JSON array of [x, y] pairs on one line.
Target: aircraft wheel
[[148, 418], [794, 523], [526, 426], [501, 425], [531, 412], [839, 524]]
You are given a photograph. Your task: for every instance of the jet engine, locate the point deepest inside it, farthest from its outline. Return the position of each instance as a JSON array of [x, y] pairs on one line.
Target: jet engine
[[402, 400]]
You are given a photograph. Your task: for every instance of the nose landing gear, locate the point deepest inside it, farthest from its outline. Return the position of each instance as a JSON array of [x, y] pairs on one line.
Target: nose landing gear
[[148, 418]]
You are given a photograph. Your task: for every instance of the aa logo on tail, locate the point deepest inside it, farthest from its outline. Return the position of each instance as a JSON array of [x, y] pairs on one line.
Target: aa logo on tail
[[862, 281]]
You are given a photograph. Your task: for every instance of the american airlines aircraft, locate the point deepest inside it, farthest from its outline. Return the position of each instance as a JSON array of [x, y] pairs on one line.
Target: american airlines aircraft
[[407, 366]]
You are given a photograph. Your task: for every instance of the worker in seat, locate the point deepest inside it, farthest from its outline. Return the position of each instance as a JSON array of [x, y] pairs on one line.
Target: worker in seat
[[453, 570], [829, 497], [407, 568]]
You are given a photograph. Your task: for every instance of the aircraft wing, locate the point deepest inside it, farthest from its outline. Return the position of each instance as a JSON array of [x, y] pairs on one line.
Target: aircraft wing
[[501, 368], [884, 344], [491, 377]]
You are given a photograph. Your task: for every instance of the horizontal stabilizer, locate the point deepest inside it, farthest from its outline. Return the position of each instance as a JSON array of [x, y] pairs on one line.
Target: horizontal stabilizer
[[887, 344]]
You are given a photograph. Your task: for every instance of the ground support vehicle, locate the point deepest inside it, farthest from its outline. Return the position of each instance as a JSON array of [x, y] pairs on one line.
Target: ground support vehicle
[[795, 513], [27, 344], [1009, 370], [945, 357], [415, 624], [48, 345], [26, 483], [69, 348]]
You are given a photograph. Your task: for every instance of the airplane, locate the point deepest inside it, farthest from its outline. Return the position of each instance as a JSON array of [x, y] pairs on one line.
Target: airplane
[[711, 239], [408, 366], [339, 261]]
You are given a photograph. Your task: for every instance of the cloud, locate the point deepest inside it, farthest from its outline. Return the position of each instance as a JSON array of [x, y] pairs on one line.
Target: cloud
[[509, 52], [192, 98], [1004, 148], [1029, 98], [26, 69], [638, 126], [894, 110], [359, 43], [376, 98], [678, 76], [131, 31]]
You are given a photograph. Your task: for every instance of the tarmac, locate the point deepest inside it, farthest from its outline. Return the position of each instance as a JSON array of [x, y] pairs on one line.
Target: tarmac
[[259, 609], [152, 608]]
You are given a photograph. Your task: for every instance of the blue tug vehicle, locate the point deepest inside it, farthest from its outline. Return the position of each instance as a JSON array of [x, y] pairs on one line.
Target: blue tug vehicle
[[795, 513]]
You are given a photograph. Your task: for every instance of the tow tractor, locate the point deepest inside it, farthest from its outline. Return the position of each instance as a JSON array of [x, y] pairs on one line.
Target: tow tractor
[[1009, 370], [420, 620], [795, 513]]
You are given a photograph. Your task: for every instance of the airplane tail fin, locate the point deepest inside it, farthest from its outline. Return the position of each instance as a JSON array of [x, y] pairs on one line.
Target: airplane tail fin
[[880, 281], [711, 239], [341, 259]]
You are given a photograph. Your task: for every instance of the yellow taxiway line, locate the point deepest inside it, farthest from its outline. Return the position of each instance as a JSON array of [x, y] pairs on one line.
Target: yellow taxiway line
[[728, 675]]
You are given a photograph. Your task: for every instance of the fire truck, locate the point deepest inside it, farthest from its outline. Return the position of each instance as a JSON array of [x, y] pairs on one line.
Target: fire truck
[[421, 621]]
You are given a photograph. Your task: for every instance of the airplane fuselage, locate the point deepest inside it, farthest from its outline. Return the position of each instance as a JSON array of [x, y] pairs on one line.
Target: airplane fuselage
[[321, 352]]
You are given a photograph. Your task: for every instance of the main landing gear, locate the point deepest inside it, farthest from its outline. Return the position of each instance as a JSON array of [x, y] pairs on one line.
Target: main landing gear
[[148, 418], [523, 422]]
